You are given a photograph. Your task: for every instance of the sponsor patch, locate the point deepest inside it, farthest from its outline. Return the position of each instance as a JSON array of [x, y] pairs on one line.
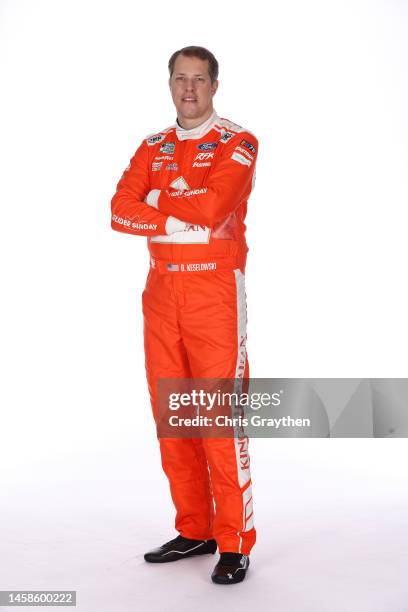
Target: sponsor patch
[[244, 151], [155, 139], [201, 164], [156, 166], [194, 234], [168, 147], [169, 157], [133, 224], [144, 226], [179, 183], [198, 267], [241, 159], [191, 192], [249, 146], [172, 166], [204, 156], [226, 136], [207, 146]]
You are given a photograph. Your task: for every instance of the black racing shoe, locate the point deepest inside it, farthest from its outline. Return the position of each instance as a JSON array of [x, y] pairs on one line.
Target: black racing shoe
[[180, 548], [231, 568]]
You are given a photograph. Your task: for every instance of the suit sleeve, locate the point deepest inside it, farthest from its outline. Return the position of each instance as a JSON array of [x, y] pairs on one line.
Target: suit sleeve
[[229, 184], [130, 214]]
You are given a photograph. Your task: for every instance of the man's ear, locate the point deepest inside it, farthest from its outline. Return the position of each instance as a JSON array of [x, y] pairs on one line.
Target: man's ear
[[214, 87]]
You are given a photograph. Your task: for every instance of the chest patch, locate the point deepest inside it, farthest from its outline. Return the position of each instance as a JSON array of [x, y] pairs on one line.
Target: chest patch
[[168, 147]]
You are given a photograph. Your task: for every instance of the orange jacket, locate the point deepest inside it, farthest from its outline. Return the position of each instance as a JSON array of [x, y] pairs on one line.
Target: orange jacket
[[203, 177]]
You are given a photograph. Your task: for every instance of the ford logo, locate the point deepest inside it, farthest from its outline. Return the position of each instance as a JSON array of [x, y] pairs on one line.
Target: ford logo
[[207, 146]]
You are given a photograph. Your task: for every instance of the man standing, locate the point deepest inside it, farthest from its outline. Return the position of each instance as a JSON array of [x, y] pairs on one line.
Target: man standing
[[186, 189]]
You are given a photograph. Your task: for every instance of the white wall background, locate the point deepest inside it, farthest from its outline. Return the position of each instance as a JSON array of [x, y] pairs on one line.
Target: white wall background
[[323, 85]]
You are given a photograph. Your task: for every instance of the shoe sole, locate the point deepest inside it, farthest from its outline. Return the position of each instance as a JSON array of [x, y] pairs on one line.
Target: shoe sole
[[219, 580], [172, 559]]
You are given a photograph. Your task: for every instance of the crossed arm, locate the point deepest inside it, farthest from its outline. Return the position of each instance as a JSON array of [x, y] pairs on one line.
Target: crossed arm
[[231, 181]]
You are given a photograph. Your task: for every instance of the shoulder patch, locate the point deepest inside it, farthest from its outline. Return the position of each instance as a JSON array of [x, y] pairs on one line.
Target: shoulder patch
[[152, 140], [248, 145], [156, 137], [226, 136], [241, 159]]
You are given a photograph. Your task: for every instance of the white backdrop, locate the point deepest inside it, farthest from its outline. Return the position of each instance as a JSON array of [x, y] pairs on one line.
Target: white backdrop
[[324, 86]]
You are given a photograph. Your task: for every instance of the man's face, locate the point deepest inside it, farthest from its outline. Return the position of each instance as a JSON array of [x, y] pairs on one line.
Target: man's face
[[191, 87]]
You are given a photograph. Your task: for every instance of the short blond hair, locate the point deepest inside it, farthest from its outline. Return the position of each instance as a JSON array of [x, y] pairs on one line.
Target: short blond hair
[[200, 52]]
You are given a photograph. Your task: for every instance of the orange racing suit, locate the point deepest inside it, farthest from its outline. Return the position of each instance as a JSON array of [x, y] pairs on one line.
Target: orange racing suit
[[187, 191]]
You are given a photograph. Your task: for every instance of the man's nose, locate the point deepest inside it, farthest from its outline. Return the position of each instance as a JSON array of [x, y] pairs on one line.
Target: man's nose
[[189, 85]]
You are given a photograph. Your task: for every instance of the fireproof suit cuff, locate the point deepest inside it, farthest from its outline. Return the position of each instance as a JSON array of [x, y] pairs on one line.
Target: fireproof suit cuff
[[153, 198], [174, 225]]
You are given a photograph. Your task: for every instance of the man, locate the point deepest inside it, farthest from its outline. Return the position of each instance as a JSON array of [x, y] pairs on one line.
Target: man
[[186, 189]]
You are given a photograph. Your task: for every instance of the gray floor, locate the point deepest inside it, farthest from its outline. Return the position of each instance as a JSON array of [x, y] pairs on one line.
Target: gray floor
[[331, 516]]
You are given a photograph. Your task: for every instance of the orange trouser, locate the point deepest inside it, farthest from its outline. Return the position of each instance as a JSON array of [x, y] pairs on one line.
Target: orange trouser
[[195, 327]]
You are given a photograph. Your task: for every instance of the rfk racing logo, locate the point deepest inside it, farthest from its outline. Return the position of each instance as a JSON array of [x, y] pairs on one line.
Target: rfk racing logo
[[203, 156], [201, 159]]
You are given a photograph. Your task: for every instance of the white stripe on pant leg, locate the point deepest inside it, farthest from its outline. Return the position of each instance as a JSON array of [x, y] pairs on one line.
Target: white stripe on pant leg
[[248, 513], [241, 324], [241, 441]]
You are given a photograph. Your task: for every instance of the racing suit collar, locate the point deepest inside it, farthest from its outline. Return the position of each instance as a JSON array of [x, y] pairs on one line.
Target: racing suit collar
[[197, 132]]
